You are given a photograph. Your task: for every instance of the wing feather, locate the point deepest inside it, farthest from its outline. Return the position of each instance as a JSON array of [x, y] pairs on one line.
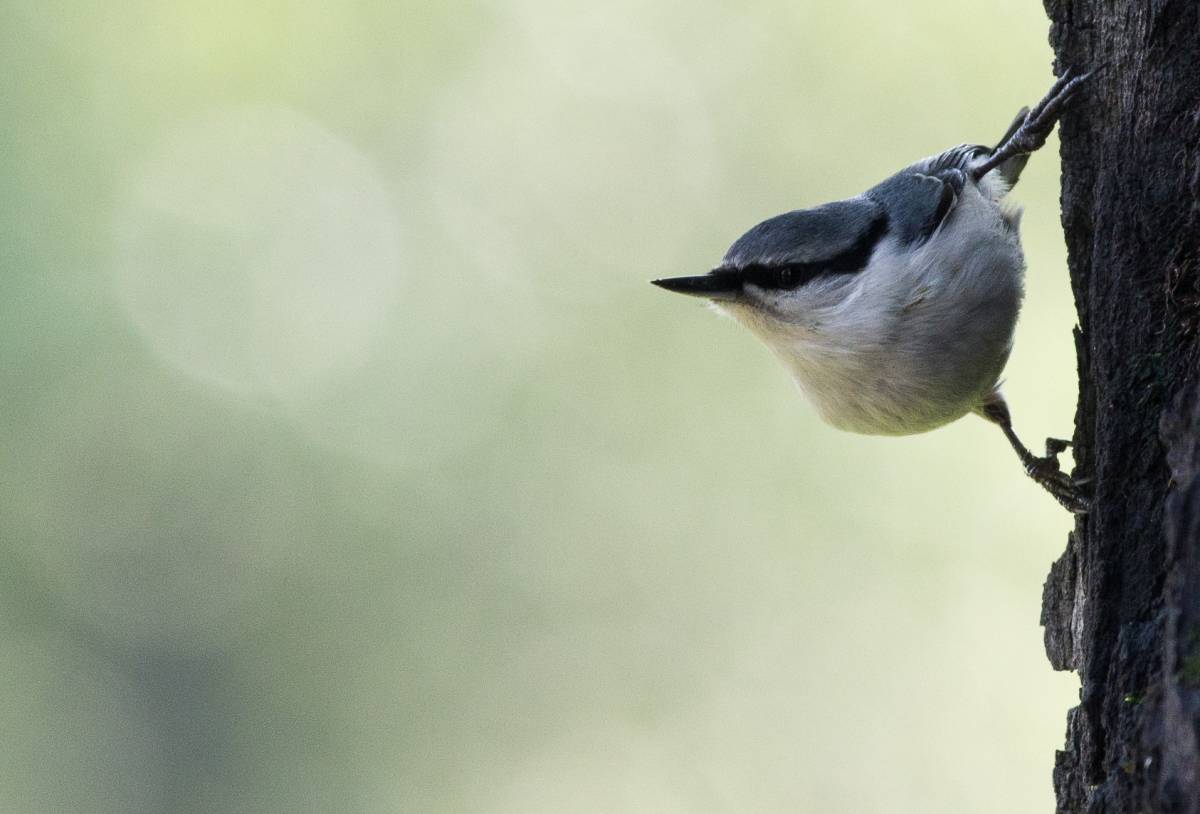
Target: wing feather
[[839, 236]]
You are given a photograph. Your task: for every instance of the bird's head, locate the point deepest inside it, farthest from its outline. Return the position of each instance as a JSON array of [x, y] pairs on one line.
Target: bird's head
[[777, 275]]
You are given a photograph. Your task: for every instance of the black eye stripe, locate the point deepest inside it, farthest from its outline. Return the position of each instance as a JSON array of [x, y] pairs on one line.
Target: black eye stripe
[[784, 277]]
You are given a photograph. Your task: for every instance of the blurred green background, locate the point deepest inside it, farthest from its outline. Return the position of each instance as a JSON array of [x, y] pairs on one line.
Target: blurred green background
[[349, 463]]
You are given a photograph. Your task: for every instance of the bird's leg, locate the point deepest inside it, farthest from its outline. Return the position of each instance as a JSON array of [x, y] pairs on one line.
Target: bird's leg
[[1032, 133], [1045, 471]]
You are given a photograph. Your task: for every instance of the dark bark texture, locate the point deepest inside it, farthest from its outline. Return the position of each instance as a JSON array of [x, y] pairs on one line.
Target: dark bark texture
[[1122, 604]]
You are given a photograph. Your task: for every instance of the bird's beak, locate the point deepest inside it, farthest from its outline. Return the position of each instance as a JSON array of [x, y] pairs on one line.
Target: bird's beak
[[717, 285]]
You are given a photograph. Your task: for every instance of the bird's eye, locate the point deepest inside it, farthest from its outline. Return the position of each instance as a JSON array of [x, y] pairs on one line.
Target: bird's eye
[[786, 277]]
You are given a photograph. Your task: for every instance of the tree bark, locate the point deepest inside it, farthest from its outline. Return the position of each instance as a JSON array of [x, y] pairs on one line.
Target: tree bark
[[1122, 604]]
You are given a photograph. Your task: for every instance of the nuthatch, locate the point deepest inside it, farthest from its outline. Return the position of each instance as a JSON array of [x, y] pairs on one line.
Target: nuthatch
[[895, 310]]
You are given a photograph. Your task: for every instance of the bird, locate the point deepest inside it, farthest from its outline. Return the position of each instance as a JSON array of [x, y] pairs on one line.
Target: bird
[[895, 310]]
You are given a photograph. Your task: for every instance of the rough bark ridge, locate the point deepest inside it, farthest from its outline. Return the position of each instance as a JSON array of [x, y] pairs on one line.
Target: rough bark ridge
[[1122, 604]]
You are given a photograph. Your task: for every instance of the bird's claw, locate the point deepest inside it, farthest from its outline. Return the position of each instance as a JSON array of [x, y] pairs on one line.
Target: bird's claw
[[1047, 472], [1061, 487], [1048, 465], [1056, 446], [1039, 122]]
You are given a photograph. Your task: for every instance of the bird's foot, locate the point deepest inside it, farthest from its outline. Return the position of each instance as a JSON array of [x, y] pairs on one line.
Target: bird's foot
[[1047, 472], [1040, 121]]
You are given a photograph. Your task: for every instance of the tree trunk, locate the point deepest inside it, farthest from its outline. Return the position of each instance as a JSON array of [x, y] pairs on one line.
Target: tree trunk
[[1122, 604]]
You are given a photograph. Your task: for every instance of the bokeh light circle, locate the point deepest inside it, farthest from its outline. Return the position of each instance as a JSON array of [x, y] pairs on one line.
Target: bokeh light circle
[[257, 251]]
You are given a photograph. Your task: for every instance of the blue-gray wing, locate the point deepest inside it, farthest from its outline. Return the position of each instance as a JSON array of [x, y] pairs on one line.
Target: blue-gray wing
[[838, 236], [918, 198]]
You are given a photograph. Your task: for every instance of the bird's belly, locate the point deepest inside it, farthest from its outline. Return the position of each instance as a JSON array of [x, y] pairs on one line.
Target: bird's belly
[[922, 359], [879, 396]]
